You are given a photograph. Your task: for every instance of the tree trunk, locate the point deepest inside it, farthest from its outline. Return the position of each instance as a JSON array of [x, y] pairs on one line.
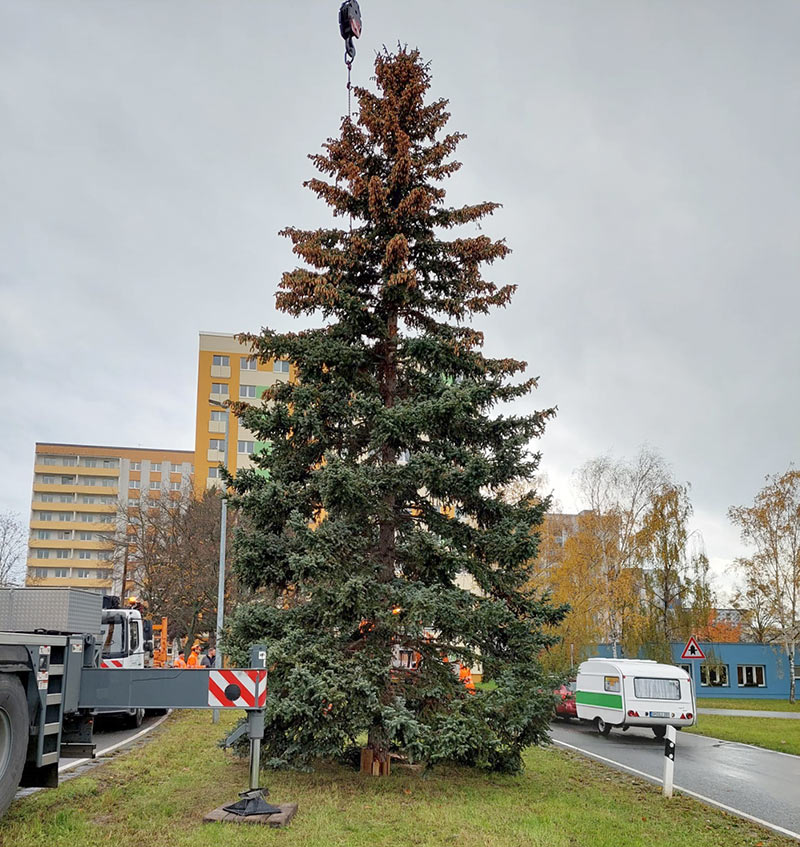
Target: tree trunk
[[790, 650], [386, 533]]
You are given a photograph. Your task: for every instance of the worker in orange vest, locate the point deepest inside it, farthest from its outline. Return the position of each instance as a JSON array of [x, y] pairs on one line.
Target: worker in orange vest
[[465, 676], [180, 662], [194, 657]]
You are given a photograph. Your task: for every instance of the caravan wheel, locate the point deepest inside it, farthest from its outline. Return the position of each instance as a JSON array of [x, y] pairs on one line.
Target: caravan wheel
[[602, 727]]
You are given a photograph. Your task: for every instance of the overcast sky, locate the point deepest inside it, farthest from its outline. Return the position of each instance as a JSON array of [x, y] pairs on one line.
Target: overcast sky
[[646, 155]]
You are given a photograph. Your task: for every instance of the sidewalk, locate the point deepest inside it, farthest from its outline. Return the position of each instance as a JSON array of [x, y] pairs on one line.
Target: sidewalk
[[749, 713]]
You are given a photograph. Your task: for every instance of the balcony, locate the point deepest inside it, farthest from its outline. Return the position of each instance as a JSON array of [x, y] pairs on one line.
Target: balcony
[[52, 470], [222, 371]]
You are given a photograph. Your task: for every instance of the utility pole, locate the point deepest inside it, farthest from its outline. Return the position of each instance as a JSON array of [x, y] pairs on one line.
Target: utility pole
[[223, 531]]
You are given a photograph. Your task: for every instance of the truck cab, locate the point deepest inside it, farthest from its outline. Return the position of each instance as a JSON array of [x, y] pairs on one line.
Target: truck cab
[[125, 643], [122, 643]]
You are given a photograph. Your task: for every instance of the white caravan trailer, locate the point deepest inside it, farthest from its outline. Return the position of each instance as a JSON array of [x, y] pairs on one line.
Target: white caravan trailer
[[634, 692]]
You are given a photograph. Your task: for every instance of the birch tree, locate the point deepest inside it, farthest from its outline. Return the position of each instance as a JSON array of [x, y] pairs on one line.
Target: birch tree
[[772, 526], [13, 541], [619, 494]]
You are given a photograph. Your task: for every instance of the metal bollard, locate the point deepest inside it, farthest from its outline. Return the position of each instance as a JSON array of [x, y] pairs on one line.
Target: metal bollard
[[669, 760]]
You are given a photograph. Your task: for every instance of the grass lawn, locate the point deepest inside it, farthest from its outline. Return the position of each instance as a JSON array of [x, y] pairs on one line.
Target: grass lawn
[[761, 705], [773, 733], [157, 795]]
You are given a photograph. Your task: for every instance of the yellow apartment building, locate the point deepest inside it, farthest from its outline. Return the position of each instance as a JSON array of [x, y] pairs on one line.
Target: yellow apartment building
[[78, 490], [227, 371]]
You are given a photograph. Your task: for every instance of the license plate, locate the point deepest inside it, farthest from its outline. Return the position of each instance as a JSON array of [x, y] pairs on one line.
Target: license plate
[[659, 714]]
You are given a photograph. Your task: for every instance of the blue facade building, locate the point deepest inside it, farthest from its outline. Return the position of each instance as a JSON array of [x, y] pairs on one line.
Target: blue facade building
[[752, 671]]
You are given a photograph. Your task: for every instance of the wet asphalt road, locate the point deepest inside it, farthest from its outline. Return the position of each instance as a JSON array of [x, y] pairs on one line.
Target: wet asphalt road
[[108, 732], [761, 783]]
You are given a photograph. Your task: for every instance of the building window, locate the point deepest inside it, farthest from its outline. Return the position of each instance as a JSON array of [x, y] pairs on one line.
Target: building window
[[174, 467], [67, 480], [103, 573], [216, 444], [48, 460], [713, 676], [85, 536], [48, 480], [40, 573], [213, 473], [219, 387], [248, 363], [42, 554], [88, 480], [62, 554], [221, 361], [64, 534], [155, 484], [107, 483], [47, 498], [281, 367], [45, 516], [61, 572], [42, 534], [174, 486], [135, 484], [218, 416], [246, 447], [155, 467], [136, 466], [83, 573], [88, 498], [65, 498], [84, 554], [89, 463], [751, 676], [247, 391]]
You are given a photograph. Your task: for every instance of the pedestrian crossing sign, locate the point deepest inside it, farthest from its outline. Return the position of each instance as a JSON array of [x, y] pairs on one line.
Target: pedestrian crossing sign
[[692, 650]]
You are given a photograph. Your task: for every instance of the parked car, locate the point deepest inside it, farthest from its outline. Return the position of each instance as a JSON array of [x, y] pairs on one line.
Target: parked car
[[566, 707]]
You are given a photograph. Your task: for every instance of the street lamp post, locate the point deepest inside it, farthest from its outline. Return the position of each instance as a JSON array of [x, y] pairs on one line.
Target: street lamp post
[[222, 533]]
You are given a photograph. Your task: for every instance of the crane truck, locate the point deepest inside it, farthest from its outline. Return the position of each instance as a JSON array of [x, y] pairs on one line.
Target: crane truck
[[52, 682]]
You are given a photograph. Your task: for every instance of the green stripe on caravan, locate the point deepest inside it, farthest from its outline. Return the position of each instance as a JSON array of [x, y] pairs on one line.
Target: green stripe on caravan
[[597, 698]]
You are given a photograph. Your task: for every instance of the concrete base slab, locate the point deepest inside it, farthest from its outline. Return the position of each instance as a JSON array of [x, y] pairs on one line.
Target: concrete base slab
[[288, 811]]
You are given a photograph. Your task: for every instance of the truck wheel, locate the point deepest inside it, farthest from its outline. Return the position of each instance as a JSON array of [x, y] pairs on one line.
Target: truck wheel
[[134, 719], [659, 731], [602, 727], [13, 736]]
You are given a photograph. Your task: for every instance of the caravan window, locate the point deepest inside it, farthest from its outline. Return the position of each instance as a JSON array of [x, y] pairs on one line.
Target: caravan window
[[611, 683], [647, 688]]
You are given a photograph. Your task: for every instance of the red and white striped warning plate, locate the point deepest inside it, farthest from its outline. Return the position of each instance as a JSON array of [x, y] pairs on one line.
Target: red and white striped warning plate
[[111, 663], [237, 689]]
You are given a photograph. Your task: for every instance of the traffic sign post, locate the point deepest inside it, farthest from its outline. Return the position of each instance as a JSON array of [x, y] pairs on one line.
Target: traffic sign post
[[692, 650]]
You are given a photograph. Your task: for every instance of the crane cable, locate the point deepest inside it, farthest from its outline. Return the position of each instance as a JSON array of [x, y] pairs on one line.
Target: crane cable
[[349, 28]]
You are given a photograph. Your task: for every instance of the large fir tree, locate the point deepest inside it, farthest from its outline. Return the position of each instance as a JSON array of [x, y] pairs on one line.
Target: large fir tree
[[387, 465]]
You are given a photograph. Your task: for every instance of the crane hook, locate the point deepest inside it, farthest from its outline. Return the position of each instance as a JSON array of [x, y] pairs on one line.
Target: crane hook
[[350, 28]]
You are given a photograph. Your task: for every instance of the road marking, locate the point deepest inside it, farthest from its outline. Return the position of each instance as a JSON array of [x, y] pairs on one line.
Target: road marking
[[708, 800], [75, 762]]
